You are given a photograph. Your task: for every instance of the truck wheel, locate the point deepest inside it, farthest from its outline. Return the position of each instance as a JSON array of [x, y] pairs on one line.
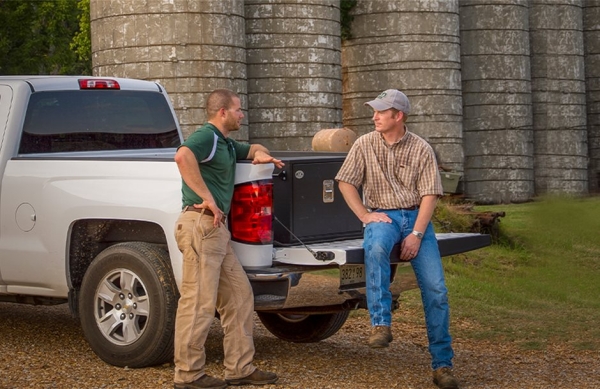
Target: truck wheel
[[127, 305], [303, 328]]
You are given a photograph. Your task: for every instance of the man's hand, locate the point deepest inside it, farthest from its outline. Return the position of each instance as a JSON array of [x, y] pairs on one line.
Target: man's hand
[[214, 209], [262, 157], [375, 217], [409, 247]]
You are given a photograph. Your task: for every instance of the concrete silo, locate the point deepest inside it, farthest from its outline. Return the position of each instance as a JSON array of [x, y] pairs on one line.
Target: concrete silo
[[496, 83], [190, 47], [294, 71], [412, 46], [591, 28], [558, 96]]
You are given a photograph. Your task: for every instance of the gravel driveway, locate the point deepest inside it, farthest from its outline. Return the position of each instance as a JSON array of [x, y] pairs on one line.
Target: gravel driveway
[[43, 347]]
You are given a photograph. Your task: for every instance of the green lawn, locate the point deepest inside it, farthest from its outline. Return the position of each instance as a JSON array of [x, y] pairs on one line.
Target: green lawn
[[539, 284]]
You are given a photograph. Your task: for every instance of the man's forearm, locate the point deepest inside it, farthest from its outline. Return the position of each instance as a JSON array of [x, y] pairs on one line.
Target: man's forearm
[[190, 173], [256, 147], [426, 209], [352, 197]]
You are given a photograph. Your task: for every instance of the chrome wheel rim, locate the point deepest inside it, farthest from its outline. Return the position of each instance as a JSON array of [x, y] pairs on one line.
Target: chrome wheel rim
[[121, 307]]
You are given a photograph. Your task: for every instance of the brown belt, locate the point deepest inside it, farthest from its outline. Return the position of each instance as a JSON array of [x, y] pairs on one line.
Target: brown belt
[[409, 208], [204, 211], [414, 207]]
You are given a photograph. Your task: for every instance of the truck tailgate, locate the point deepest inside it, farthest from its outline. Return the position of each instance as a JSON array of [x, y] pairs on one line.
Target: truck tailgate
[[350, 252]]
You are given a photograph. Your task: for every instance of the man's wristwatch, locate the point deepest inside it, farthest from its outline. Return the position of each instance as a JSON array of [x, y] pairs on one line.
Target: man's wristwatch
[[418, 234]]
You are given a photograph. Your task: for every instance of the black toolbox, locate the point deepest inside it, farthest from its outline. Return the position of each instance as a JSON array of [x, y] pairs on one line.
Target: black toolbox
[[308, 202]]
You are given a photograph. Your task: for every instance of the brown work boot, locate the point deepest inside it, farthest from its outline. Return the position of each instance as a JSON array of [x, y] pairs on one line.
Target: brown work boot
[[444, 379], [204, 382], [256, 378], [381, 336]]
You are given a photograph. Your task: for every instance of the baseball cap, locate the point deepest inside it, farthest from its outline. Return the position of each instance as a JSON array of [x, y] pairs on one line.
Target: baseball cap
[[390, 98]]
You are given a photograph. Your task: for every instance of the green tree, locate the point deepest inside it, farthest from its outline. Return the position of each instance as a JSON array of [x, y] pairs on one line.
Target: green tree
[[81, 43], [36, 37], [346, 17]]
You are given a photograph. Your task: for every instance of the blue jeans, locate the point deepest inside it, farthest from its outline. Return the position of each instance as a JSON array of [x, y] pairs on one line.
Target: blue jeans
[[379, 240]]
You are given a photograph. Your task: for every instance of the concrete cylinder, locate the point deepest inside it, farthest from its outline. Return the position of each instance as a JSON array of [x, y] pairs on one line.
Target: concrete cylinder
[[558, 96], [412, 46], [497, 114], [591, 30], [294, 71], [190, 47], [334, 139]]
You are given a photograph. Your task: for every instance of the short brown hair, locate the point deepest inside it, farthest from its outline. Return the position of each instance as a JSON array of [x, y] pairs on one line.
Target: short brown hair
[[219, 98], [395, 112]]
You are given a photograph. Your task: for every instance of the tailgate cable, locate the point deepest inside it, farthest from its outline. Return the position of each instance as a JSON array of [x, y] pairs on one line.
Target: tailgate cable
[[319, 255]]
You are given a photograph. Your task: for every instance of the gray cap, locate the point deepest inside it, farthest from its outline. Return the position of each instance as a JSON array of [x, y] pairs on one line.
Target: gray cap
[[390, 98]]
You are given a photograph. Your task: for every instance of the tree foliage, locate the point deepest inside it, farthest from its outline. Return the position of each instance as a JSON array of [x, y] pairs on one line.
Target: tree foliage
[[346, 17], [44, 37], [81, 43]]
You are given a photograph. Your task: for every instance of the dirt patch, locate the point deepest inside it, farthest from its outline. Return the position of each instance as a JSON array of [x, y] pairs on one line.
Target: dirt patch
[[43, 347]]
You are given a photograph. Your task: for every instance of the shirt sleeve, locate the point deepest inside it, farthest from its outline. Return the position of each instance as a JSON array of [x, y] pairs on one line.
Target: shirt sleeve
[[430, 182], [200, 143], [241, 149], [353, 168]]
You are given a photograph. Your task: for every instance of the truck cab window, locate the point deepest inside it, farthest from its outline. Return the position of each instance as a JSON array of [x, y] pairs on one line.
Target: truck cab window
[[91, 120]]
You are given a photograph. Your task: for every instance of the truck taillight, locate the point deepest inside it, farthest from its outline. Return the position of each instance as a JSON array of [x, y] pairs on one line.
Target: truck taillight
[[250, 217], [94, 83]]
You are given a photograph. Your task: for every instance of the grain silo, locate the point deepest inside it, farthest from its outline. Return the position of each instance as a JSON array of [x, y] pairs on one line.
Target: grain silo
[[412, 46], [558, 96], [294, 71], [497, 112], [591, 28], [190, 47]]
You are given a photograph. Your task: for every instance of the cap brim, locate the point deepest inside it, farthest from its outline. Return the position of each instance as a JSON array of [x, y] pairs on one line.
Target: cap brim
[[378, 105]]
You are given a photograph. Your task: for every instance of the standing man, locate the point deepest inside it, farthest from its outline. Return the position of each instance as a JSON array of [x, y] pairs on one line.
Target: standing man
[[213, 278], [401, 184]]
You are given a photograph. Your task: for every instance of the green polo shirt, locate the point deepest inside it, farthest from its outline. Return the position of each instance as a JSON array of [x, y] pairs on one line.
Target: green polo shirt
[[216, 156]]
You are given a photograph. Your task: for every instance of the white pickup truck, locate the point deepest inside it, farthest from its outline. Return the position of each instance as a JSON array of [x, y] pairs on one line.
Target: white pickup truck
[[90, 195]]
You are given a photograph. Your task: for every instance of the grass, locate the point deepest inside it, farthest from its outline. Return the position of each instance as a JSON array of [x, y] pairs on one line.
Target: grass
[[538, 285]]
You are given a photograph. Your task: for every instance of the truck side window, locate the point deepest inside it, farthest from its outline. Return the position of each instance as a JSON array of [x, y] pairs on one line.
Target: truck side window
[[63, 121]]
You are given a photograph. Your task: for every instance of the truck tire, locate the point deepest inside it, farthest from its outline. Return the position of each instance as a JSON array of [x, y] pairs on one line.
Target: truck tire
[[127, 305], [303, 328]]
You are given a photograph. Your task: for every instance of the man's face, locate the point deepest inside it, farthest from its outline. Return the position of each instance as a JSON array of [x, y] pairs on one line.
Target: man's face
[[233, 121], [385, 121]]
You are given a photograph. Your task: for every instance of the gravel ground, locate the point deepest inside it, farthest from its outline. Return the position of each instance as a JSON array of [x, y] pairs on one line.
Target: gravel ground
[[43, 347]]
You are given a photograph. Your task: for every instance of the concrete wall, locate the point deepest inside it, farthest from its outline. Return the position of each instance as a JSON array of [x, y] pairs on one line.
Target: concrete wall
[[412, 46], [190, 47], [506, 91], [591, 28], [497, 114], [558, 95], [294, 71]]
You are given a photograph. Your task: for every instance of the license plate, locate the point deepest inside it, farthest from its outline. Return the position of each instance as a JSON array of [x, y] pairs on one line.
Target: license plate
[[352, 275]]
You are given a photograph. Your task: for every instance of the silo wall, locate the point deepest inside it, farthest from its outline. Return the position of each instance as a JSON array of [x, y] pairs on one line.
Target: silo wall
[[558, 96], [190, 47], [591, 23], [412, 46], [294, 71], [497, 114]]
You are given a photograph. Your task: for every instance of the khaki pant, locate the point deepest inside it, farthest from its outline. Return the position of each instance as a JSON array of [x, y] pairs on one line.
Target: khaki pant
[[213, 278]]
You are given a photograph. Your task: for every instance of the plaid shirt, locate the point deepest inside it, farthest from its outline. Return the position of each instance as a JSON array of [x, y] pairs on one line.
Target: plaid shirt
[[395, 176]]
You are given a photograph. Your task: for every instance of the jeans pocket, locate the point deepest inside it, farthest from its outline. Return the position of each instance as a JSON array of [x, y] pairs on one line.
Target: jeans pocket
[[184, 229], [205, 228]]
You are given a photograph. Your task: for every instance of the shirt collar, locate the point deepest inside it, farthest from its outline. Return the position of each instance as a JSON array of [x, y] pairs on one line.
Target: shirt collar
[[216, 130], [404, 138]]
